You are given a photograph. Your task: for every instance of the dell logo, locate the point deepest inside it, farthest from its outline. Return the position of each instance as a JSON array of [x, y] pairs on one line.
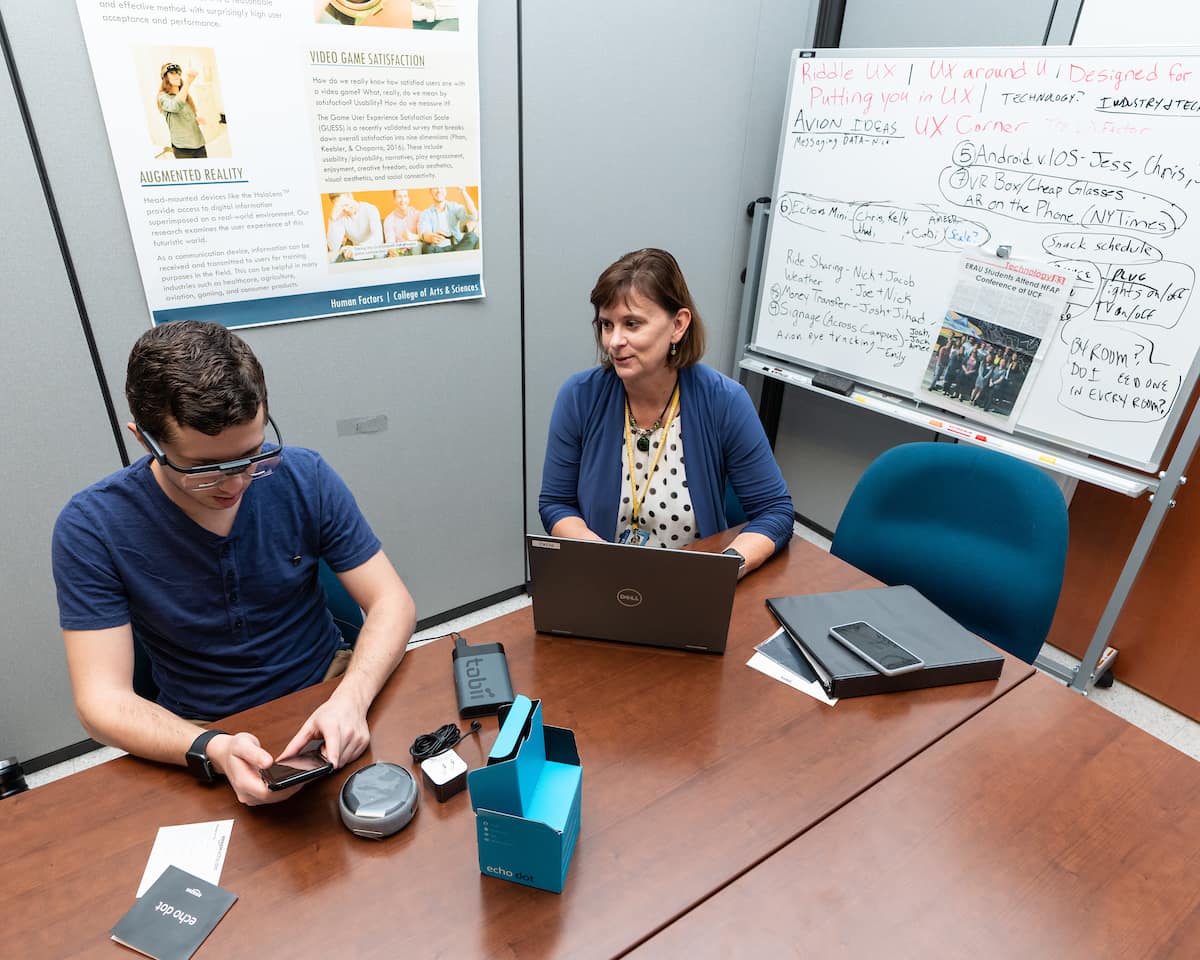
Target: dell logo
[[628, 597]]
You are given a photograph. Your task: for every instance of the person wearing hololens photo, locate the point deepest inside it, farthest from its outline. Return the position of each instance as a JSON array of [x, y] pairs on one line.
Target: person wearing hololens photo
[[176, 105], [615, 458]]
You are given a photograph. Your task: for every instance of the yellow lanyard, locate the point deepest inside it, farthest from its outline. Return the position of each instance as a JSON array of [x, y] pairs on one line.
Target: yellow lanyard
[[637, 498]]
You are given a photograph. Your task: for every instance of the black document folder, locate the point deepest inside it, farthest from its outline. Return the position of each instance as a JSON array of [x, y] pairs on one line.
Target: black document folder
[[952, 654]]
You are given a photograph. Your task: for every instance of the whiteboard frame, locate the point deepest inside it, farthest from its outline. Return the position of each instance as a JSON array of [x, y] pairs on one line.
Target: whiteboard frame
[[1035, 439]]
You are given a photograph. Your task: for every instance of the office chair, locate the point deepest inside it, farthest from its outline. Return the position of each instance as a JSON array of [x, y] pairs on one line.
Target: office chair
[[346, 614], [982, 535], [734, 513], [143, 675]]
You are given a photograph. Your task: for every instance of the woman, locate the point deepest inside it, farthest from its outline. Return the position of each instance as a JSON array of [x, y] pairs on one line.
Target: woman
[[966, 378], [648, 403], [176, 105], [994, 390], [981, 378]]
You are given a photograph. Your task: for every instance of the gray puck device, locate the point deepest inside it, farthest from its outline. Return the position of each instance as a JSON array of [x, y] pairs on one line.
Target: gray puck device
[[378, 800]]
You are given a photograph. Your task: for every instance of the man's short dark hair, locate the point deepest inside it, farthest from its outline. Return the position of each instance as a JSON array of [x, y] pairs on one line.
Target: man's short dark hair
[[197, 375]]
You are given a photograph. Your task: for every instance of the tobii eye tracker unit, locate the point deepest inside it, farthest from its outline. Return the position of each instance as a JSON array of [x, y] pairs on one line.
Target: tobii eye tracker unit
[[480, 678], [378, 800]]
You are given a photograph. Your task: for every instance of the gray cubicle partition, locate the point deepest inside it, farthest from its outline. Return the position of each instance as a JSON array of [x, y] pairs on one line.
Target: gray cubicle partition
[[56, 438], [441, 486], [644, 125]]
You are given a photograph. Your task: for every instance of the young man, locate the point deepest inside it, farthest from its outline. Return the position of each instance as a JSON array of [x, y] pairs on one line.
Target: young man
[[207, 550], [402, 225], [352, 224], [447, 225]]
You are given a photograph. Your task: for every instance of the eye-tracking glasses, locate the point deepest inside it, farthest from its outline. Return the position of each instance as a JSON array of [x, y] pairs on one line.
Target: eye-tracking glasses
[[210, 474]]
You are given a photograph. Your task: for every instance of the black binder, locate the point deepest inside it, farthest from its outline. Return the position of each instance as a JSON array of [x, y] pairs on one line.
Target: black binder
[[952, 654]]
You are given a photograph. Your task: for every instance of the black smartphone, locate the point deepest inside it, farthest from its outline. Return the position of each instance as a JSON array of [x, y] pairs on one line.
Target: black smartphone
[[876, 648], [308, 764]]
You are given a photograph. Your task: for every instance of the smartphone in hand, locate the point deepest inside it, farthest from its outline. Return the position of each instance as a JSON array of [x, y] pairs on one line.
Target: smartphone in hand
[[288, 772]]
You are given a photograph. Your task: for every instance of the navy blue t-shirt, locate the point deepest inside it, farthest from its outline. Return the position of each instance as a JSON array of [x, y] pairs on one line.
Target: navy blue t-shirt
[[229, 622]]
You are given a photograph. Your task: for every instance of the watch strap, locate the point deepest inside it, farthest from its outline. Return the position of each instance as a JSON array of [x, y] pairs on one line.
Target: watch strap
[[198, 763], [733, 552]]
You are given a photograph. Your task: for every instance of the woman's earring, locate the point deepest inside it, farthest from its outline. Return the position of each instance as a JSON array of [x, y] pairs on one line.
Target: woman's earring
[[674, 348]]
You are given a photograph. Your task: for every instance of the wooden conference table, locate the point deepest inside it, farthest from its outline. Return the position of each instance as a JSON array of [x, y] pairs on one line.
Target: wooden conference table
[[1044, 827], [696, 769]]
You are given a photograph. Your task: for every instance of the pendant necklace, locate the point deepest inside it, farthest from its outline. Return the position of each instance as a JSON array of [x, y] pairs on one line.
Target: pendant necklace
[[643, 435]]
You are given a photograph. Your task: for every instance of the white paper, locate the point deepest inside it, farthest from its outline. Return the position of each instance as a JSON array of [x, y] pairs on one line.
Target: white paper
[[198, 848], [764, 664]]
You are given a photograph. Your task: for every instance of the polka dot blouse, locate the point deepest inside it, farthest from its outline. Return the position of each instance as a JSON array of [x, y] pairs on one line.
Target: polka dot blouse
[[667, 505]]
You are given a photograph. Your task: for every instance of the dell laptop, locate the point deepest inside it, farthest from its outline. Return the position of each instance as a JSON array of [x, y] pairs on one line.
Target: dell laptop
[[607, 591]]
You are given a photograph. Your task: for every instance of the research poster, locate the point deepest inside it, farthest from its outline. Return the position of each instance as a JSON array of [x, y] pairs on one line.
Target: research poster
[[282, 160]]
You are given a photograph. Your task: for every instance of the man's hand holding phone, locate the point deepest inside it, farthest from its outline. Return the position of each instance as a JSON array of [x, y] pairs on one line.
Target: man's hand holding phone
[[291, 771], [240, 757]]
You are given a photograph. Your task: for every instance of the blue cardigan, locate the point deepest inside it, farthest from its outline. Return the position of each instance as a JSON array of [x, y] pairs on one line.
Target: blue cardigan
[[723, 439]]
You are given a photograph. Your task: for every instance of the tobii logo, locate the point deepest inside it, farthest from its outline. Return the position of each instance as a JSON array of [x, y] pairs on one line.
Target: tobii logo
[[628, 597], [475, 681]]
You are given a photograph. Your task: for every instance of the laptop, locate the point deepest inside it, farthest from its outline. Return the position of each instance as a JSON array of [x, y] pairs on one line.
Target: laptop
[[680, 599]]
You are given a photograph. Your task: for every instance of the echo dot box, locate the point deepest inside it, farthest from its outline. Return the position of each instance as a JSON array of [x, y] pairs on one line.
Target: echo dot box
[[527, 800], [378, 800]]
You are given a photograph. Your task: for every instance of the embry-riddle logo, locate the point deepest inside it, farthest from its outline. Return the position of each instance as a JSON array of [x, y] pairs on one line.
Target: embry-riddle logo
[[628, 597]]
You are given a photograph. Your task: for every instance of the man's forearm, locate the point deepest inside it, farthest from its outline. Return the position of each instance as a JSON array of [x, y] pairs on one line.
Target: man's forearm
[[378, 651], [138, 726]]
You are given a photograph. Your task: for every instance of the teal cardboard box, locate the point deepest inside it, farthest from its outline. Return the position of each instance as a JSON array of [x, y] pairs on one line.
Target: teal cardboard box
[[527, 799]]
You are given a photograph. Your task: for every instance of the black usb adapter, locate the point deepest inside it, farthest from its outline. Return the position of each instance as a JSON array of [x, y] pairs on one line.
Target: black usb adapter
[[480, 678]]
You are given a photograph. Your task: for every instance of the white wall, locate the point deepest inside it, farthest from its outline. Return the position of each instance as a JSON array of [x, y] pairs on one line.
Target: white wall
[[1119, 23]]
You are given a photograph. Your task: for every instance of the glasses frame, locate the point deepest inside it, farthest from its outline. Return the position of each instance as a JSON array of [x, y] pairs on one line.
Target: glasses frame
[[230, 468]]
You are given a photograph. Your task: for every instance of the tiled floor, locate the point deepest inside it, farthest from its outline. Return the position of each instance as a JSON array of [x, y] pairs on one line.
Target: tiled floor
[[1179, 731]]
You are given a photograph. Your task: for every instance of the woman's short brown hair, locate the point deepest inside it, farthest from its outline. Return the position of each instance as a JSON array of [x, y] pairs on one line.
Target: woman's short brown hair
[[654, 274]]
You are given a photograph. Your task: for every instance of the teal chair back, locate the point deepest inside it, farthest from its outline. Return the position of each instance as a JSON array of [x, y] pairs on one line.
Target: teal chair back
[[982, 535], [346, 614], [734, 514], [143, 674]]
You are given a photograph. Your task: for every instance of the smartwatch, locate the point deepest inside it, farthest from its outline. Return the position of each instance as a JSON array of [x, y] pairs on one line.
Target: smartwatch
[[730, 552], [198, 763]]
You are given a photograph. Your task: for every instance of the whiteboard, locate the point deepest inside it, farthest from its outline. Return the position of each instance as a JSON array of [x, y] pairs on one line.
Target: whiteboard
[[1105, 23], [894, 163]]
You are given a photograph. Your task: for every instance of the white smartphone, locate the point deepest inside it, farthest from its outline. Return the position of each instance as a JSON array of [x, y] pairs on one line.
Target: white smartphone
[[876, 648]]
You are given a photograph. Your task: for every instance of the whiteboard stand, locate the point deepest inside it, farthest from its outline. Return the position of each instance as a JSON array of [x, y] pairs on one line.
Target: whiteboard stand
[[770, 402], [756, 210], [1162, 500], [1132, 483]]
